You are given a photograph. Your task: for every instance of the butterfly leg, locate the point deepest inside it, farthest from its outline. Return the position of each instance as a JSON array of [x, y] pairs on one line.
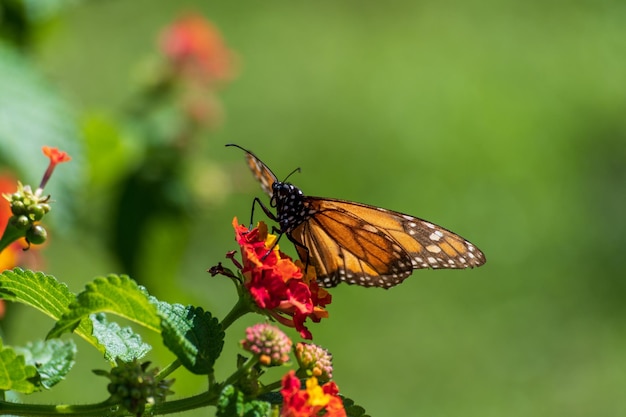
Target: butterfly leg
[[299, 246], [267, 211], [269, 214]]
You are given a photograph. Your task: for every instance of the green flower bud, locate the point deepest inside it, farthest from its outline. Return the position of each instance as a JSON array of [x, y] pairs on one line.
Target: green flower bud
[[21, 222], [135, 386], [18, 207], [36, 212], [36, 235]]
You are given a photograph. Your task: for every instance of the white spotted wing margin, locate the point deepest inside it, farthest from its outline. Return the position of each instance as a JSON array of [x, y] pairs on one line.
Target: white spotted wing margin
[[374, 247]]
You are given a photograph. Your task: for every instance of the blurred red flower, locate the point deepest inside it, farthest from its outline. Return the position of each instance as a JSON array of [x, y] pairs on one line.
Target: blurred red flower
[[195, 48]]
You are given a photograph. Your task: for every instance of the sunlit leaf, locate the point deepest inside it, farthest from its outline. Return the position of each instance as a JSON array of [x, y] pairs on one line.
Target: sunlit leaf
[[53, 359], [15, 374], [120, 343], [116, 294], [44, 293]]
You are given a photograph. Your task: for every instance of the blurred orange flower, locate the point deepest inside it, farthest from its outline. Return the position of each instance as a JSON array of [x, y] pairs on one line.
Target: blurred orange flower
[[9, 258]]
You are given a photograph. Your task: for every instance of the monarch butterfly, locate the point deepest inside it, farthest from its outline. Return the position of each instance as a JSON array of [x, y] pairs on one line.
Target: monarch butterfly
[[357, 243]]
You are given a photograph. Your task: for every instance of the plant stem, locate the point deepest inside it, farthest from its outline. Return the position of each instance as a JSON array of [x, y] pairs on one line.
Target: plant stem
[[18, 409], [165, 372], [240, 309], [10, 235], [243, 370], [270, 387], [185, 404]]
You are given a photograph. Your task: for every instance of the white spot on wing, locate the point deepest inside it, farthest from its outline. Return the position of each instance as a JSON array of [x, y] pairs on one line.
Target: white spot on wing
[[433, 248]]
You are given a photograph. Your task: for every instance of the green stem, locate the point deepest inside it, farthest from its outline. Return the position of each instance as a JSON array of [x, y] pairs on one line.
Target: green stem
[[241, 371], [165, 372], [240, 309], [106, 408], [190, 403], [271, 387], [10, 235], [18, 409]]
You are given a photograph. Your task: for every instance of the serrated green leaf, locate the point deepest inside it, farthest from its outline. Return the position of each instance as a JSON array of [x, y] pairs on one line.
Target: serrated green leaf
[[115, 294], [15, 374], [53, 359], [232, 403], [353, 410], [119, 343], [193, 335], [44, 293]]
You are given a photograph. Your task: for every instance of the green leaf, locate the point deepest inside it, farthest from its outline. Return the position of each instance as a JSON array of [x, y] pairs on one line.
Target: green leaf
[[44, 293], [353, 410], [193, 335], [116, 294], [53, 359], [232, 403], [119, 343], [15, 374]]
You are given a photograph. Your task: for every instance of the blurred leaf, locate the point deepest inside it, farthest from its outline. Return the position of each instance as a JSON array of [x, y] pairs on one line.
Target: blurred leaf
[[109, 150], [15, 374], [117, 294], [44, 293], [42, 10], [32, 115], [193, 335], [53, 359], [153, 192], [119, 343], [232, 402]]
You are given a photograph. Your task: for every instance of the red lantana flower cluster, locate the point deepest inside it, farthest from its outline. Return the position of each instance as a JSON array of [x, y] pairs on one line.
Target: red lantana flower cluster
[[311, 400], [277, 284]]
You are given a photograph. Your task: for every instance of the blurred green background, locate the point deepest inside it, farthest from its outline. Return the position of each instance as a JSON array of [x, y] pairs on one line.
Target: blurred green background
[[503, 121]]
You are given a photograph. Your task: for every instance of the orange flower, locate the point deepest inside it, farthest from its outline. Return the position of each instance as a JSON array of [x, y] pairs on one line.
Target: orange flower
[[56, 157], [277, 284]]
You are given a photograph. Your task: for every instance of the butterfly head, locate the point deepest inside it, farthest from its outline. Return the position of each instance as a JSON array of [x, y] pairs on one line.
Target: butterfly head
[[289, 203]]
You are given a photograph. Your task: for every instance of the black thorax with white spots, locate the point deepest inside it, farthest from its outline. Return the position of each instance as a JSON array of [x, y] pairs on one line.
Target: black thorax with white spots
[[290, 206]]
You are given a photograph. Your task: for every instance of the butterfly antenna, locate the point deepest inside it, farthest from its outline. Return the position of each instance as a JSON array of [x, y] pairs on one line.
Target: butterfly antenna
[[237, 146], [291, 173]]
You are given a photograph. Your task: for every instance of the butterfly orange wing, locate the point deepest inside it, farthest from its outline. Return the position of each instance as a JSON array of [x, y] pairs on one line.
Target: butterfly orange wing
[[262, 173], [370, 246]]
